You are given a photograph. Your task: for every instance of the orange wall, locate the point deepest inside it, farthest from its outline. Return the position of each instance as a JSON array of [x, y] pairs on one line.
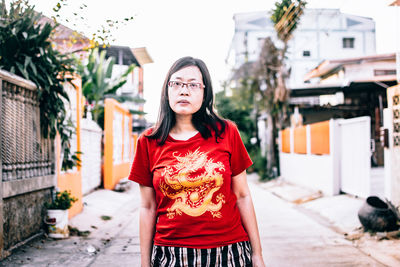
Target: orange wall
[[300, 140], [320, 138], [286, 141], [114, 172], [72, 180]]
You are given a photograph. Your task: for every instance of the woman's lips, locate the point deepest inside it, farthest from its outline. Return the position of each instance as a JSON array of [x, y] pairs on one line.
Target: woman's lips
[[183, 102]]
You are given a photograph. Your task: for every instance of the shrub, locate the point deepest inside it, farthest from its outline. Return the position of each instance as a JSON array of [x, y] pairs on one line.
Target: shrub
[[62, 201]]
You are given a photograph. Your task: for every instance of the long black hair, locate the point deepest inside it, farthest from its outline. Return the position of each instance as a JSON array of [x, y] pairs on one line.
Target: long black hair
[[204, 119]]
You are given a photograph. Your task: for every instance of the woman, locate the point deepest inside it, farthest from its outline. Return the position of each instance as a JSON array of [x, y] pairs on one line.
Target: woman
[[196, 206]]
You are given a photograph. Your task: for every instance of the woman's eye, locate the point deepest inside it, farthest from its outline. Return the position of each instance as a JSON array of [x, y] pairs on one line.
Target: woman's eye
[[178, 84], [193, 85]]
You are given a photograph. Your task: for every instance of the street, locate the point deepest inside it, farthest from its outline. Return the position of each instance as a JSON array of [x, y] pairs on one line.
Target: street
[[289, 237]]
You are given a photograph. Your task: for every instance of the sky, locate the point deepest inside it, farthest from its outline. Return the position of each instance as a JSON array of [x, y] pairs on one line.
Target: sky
[[171, 29]]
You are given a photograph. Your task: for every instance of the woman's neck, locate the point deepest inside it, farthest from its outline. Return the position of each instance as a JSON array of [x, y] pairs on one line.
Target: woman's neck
[[183, 125], [183, 129]]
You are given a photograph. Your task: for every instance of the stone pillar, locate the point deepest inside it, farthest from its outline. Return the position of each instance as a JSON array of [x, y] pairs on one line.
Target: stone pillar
[[392, 153]]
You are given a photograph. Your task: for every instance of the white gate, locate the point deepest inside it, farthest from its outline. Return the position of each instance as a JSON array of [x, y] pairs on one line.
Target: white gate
[[355, 156]]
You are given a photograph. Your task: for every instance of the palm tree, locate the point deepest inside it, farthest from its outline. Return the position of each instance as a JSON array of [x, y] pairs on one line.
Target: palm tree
[[97, 82], [285, 16], [272, 72]]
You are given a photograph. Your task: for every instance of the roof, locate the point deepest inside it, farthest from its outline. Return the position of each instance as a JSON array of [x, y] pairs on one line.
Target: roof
[[329, 65], [123, 53], [62, 32], [141, 55]]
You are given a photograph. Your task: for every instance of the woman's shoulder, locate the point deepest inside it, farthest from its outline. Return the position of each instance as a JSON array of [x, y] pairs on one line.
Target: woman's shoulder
[[226, 127], [230, 125], [146, 133]]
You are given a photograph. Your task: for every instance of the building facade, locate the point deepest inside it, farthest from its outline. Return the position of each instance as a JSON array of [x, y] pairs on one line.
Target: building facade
[[134, 87], [321, 34]]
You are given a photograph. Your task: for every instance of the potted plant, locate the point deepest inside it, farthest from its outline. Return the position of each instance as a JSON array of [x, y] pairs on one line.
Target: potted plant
[[57, 214]]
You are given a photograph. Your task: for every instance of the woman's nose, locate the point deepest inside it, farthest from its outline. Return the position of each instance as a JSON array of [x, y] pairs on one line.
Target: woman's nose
[[184, 89]]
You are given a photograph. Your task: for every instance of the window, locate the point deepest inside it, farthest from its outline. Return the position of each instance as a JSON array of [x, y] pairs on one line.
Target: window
[[348, 42], [306, 53], [384, 72]]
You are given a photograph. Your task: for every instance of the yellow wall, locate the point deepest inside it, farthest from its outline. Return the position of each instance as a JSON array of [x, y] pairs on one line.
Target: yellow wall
[[320, 138], [115, 172], [300, 140], [286, 141], [72, 180]]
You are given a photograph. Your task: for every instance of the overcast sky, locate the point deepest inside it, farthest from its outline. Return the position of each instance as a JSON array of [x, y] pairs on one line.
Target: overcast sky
[[170, 29]]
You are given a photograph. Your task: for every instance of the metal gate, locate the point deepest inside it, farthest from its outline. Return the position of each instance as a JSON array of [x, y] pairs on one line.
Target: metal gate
[[355, 156]]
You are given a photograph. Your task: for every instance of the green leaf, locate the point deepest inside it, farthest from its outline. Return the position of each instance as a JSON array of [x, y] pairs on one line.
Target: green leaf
[[33, 67], [110, 64], [22, 70], [136, 112], [27, 61]]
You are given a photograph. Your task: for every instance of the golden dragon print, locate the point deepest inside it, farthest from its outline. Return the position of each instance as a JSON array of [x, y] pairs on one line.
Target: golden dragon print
[[193, 194]]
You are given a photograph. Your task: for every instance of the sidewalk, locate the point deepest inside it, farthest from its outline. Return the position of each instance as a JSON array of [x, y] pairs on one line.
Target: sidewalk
[[102, 225], [340, 214]]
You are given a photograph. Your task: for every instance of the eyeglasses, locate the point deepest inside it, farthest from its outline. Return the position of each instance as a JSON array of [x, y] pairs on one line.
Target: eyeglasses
[[191, 86]]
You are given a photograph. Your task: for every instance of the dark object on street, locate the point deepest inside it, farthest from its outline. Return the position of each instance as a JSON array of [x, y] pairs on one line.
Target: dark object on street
[[375, 215], [106, 217]]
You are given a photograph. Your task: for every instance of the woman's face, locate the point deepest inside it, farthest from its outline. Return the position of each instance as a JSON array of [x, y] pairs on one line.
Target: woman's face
[[186, 91]]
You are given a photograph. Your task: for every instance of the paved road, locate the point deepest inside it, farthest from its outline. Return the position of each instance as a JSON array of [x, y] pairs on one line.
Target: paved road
[[289, 238]]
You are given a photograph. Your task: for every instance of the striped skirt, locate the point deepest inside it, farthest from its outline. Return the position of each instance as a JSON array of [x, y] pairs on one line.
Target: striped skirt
[[235, 255]]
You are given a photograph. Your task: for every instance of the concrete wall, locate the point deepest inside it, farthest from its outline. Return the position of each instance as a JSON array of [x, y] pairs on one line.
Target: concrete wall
[[91, 135], [23, 216], [365, 71], [26, 163], [312, 171]]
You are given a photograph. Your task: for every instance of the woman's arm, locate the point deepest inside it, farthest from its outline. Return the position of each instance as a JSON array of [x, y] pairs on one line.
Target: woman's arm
[[147, 223], [248, 215]]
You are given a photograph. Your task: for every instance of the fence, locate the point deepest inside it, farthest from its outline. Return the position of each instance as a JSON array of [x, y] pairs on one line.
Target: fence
[[27, 162], [307, 156], [330, 156]]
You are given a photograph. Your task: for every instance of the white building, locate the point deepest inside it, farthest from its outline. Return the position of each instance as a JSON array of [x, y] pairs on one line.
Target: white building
[[321, 34]]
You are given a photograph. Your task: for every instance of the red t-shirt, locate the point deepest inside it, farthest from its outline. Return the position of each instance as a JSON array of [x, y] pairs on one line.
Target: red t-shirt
[[196, 206]]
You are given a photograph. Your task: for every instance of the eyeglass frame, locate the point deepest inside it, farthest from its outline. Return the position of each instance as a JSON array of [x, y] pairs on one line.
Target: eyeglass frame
[[201, 86]]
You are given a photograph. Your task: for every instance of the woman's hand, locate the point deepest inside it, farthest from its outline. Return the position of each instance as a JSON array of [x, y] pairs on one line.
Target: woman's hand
[[248, 216], [147, 223], [257, 261]]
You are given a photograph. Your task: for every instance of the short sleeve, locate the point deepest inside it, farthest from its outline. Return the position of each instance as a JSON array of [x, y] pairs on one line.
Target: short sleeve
[[140, 170], [240, 159]]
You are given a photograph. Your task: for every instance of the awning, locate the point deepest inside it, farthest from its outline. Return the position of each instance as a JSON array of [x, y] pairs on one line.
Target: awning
[[141, 55], [123, 55]]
